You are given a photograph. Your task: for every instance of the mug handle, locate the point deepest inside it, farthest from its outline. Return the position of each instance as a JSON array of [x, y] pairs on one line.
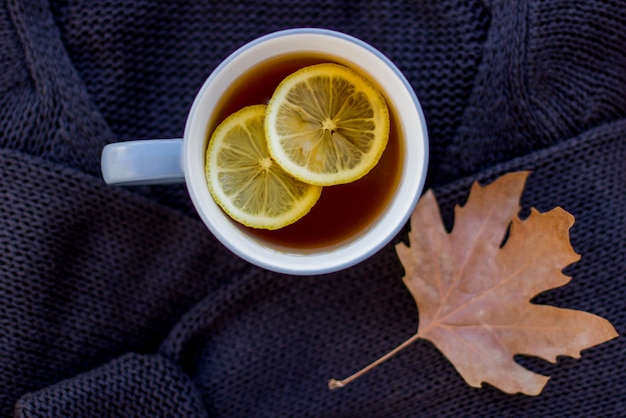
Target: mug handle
[[141, 162]]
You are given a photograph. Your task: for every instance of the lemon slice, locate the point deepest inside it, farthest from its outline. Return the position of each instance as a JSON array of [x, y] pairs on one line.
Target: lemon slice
[[326, 124], [244, 180]]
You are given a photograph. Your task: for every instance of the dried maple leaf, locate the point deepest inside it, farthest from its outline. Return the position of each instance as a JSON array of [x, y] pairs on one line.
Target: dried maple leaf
[[473, 293]]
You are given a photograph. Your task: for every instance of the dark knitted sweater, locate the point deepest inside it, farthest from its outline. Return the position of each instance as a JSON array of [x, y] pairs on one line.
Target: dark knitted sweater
[[119, 302]]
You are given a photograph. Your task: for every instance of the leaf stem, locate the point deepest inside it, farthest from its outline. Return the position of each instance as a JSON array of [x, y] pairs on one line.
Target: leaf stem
[[335, 384]]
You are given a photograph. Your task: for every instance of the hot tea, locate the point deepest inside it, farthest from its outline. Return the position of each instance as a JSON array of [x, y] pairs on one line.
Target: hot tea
[[343, 210]]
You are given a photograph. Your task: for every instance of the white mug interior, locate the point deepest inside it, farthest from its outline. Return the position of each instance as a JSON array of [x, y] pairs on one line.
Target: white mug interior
[[346, 50]]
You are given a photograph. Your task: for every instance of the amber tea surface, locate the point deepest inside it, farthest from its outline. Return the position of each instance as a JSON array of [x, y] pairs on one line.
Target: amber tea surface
[[343, 210]]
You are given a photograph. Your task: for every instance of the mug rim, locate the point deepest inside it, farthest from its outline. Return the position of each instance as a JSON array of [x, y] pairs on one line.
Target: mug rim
[[254, 250]]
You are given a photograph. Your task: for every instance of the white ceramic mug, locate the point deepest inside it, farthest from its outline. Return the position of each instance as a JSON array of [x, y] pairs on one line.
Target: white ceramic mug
[[159, 161]]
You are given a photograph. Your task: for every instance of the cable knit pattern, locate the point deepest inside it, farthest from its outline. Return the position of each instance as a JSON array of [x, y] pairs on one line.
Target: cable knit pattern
[[119, 302]]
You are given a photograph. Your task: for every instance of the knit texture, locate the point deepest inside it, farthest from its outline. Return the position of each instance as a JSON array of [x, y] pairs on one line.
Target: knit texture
[[131, 386], [119, 302]]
